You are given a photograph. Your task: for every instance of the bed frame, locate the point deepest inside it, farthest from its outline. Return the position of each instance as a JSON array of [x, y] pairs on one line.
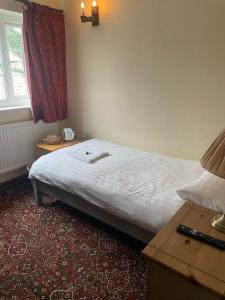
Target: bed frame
[[90, 209]]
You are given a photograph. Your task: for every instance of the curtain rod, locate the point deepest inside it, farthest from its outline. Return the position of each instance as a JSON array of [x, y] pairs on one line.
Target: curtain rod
[[26, 2]]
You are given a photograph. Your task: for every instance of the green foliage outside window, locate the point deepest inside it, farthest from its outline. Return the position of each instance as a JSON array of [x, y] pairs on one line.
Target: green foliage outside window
[[14, 39]]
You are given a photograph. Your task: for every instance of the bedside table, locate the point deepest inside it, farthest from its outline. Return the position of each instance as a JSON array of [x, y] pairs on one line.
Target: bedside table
[[181, 268], [43, 148]]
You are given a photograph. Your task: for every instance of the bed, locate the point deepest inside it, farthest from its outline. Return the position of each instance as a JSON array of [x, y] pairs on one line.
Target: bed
[[131, 190]]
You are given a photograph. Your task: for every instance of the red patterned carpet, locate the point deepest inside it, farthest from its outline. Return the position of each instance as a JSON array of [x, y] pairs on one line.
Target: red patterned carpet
[[55, 252]]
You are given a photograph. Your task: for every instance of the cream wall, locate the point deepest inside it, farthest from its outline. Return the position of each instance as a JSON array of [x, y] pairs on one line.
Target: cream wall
[[152, 76], [52, 3]]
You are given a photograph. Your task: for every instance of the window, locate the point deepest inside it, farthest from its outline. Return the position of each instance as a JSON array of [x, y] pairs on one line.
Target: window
[[13, 81]]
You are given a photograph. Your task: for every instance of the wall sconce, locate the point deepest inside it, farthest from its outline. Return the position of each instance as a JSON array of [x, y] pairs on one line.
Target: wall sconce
[[94, 18]]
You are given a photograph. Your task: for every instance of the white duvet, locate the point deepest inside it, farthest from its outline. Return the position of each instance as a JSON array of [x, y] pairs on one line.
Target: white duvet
[[137, 186]]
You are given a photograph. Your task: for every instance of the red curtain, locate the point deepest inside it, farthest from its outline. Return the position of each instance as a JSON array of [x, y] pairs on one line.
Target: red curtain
[[45, 55]]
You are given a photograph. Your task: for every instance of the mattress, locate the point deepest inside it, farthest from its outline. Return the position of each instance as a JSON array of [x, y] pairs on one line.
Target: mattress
[[137, 186]]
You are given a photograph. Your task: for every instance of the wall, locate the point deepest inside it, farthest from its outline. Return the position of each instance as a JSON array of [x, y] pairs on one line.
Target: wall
[[151, 76], [51, 3]]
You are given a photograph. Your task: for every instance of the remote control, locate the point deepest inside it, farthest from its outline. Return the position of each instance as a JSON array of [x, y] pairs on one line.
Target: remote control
[[197, 235]]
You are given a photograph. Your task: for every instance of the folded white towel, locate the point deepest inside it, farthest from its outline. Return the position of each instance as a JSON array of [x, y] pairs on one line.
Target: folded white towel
[[88, 155]]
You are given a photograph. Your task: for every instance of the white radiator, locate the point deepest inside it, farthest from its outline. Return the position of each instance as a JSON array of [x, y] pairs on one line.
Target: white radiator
[[17, 143]]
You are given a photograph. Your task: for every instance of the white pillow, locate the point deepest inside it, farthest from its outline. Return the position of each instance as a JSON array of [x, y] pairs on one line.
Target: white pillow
[[208, 191]]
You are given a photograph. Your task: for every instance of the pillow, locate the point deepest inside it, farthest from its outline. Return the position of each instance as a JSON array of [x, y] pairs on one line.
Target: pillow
[[208, 191]]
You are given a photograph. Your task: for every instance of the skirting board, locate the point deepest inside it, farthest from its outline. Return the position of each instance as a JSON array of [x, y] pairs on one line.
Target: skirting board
[[4, 178], [94, 211], [12, 182]]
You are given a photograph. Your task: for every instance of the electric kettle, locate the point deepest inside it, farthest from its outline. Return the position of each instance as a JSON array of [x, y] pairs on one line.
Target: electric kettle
[[68, 134]]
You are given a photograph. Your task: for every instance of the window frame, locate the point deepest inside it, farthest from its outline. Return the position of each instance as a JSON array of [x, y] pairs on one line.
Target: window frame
[[11, 101]]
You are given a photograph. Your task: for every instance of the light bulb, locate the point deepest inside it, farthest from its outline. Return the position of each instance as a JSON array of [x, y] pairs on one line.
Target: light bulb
[[82, 8], [94, 3]]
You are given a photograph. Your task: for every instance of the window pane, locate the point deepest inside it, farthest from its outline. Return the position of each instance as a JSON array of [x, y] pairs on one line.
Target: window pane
[[2, 84], [14, 39]]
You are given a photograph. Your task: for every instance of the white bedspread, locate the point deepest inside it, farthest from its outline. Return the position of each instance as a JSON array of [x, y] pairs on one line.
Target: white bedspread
[[137, 186]]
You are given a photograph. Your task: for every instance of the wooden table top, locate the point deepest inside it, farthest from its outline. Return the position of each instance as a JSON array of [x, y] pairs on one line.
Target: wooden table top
[[200, 263], [52, 148]]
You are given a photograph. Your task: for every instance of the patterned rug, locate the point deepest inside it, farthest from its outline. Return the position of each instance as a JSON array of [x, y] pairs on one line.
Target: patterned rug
[[55, 252]]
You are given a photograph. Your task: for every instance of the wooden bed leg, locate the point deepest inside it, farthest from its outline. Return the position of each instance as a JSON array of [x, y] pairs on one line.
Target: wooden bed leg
[[37, 194]]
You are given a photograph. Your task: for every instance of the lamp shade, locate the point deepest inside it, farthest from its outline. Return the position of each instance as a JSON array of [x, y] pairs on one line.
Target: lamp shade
[[214, 158]]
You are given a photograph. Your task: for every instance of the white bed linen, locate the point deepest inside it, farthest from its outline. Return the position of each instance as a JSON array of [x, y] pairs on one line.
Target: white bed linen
[[137, 186]]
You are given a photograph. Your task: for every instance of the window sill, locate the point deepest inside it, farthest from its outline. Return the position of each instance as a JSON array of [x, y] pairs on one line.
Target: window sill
[[15, 107], [15, 114]]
